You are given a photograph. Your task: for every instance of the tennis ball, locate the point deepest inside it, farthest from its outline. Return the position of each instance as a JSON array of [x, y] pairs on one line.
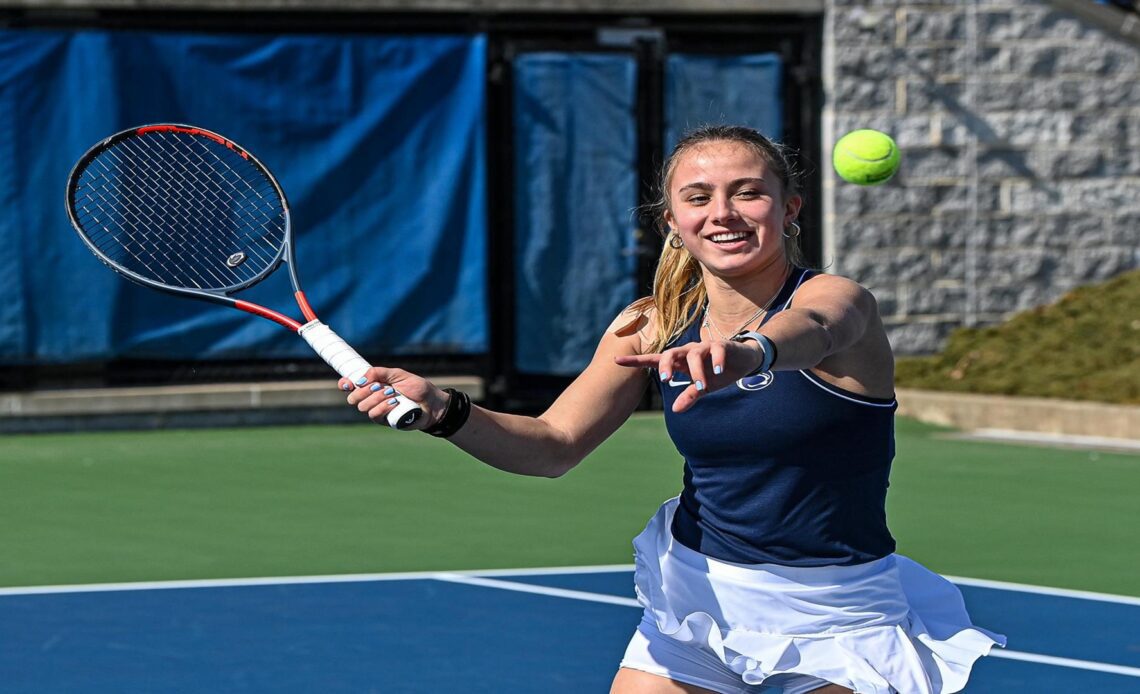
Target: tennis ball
[[866, 157]]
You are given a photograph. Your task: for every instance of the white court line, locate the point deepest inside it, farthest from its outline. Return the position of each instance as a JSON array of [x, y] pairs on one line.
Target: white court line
[[481, 578], [291, 580], [537, 590], [1044, 590], [214, 583], [547, 570], [1066, 662], [629, 602], [542, 571]]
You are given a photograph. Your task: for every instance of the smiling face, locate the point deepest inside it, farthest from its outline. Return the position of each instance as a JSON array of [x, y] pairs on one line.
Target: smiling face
[[729, 208]]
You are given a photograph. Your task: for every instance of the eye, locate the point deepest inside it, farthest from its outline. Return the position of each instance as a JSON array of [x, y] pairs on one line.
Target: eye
[[749, 193], [697, 199]]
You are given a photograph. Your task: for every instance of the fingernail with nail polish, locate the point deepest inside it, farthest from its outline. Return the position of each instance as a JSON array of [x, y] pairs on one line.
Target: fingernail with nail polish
[[718, 369], [700, 385], [361, 381], [375, 387], [389, 391], [346, 387], [664, 375], [393, 401]]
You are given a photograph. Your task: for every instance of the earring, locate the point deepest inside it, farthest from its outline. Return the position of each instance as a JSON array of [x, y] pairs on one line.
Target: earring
[[675, 241], [793, 225]]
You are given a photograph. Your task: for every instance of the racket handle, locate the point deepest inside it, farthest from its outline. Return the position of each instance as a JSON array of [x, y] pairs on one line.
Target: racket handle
[[344, 359]]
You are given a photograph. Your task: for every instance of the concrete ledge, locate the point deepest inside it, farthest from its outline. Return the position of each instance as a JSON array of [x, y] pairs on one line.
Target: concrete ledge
[[227, 404], [1043, 415], [238, 404]]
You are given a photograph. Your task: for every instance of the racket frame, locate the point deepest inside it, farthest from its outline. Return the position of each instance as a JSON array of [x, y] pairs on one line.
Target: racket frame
[[221, 296], [406, 412]]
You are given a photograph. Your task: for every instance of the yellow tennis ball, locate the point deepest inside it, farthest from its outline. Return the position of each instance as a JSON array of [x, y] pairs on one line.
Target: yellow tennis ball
[[866, 157]]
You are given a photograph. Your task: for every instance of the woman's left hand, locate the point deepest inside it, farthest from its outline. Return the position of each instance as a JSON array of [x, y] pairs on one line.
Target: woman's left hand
[[710, 365]]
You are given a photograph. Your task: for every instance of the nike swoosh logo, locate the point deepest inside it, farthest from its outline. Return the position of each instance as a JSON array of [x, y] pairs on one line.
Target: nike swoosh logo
[[679, 383]]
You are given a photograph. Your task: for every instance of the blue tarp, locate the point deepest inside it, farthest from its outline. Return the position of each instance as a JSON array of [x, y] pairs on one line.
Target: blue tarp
[[576, 183], [378, 142], [723, 90], [575, 193]]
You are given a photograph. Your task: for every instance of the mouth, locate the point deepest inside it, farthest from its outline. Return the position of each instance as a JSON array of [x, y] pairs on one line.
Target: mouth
[[729, 236]]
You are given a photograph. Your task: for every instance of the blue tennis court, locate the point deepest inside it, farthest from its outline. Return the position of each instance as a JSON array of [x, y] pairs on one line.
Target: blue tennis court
[[554, 630]]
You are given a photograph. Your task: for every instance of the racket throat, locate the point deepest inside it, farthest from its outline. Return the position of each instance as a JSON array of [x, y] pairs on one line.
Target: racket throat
[[267, 313], [303, 303]]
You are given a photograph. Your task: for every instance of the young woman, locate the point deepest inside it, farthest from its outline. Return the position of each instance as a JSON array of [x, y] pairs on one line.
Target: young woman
[[774, 566]]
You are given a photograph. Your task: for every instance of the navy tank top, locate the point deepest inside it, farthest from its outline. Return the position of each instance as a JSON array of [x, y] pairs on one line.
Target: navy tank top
[[782, 467]]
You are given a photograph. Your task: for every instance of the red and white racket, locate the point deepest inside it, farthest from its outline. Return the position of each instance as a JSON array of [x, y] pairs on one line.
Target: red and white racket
[[186, 211]]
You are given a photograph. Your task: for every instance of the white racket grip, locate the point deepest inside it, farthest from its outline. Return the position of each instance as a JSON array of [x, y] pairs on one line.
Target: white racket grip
[[345, 360]]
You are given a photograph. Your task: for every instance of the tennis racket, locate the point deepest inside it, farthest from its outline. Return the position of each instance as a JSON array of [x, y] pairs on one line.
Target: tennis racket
[[186, 211]]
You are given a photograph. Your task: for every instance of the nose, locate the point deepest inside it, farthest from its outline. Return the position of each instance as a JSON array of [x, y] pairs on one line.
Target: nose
[[723, 210]]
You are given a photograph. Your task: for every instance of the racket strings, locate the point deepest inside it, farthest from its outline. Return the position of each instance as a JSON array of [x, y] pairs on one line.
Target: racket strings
[[183, 210], [165, 255], [185, 222], [220, 200], [155, 253], [189, 187]]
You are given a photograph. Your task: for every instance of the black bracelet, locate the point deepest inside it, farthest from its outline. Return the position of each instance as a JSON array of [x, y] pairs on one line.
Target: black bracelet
[[454, 417]]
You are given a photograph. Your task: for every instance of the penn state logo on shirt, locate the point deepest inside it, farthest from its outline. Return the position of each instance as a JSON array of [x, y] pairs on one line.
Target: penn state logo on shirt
[[758, 382]]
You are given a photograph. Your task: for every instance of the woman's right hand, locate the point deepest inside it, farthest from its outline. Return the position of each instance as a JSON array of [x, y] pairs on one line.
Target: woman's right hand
[[375, 397], [709, 365]]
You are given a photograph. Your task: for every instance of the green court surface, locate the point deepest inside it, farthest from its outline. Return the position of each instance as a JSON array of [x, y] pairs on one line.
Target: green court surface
[[287, 501]]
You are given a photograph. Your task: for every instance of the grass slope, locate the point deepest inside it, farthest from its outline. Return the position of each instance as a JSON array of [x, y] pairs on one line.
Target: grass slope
[[1086, 346]]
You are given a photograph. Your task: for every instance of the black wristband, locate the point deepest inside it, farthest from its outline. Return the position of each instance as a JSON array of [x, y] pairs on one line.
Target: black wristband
[[454, 417]]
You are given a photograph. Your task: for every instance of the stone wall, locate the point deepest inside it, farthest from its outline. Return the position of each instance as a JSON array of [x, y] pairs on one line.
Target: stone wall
[[1020, 131]]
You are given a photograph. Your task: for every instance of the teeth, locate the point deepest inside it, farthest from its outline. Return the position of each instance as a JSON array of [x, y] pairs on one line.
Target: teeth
[[729, 236]]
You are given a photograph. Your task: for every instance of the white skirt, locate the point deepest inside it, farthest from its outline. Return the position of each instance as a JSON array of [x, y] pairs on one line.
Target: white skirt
[[886, 626]]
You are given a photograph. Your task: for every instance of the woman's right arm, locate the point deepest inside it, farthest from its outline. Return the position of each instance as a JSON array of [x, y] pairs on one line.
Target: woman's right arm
[[585, 414]]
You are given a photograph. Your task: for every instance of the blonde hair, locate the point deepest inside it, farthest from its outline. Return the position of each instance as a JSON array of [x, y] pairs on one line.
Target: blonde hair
[[678, 287]]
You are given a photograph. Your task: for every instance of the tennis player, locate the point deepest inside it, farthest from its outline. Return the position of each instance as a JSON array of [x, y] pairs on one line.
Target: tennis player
[[774, 569]]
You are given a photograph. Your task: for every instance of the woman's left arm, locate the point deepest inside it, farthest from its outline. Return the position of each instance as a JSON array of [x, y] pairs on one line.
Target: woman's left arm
[[833, 327], [829, 317]]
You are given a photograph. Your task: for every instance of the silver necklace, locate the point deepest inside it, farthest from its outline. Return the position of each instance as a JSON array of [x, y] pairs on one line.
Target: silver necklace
[[707, 321]]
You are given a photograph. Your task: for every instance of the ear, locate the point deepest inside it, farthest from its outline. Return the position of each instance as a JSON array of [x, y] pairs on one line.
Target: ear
[[792, 208], [670, 223]]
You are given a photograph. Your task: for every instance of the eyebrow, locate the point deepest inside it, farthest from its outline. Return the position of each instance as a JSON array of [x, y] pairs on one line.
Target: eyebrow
[[701, 185]]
